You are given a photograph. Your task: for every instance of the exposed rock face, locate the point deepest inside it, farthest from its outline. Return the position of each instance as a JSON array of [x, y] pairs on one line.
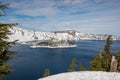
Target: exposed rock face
[[27, 35]]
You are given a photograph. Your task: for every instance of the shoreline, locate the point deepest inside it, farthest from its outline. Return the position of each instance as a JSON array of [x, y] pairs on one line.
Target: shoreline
[[52, 47]]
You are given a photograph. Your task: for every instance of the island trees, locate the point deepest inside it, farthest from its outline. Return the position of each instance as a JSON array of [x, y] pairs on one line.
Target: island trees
[[4, 44]]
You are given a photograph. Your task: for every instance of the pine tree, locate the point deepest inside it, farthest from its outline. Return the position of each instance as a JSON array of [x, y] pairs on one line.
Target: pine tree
[[107, 48], [72, 65], [82, 68], [107, 55], [96, 64], [102, 61], [4, 44], [46, 73], [118, 59]]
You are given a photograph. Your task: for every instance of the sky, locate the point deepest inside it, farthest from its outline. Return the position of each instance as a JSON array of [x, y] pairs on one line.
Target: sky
[[89, 16]]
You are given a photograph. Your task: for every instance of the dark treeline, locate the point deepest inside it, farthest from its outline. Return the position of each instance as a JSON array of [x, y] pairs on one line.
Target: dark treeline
[[4, 44]]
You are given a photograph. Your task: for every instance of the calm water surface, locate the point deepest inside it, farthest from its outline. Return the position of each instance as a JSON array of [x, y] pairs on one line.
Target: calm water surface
[[30, 63]]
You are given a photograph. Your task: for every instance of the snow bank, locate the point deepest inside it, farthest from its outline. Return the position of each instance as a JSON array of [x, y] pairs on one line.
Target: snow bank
[[85, 75]]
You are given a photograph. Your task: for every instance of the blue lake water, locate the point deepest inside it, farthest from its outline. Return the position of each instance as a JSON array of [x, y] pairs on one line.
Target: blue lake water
[[30, 63]]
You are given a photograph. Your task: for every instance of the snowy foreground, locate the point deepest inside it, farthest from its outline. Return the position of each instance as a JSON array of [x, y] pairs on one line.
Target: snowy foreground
[[85, 75]]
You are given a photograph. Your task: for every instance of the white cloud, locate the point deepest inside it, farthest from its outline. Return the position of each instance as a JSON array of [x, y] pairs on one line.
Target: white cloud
[[72, 2], [34, 8], [98, 1], [37, 12], [81, 15], [43, 7]]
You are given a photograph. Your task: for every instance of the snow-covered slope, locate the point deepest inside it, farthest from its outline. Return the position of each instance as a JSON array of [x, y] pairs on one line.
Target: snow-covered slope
[[27, 35], [86, 75]]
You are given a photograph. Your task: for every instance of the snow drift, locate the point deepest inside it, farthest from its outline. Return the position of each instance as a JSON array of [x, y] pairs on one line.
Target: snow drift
[[85, 75]]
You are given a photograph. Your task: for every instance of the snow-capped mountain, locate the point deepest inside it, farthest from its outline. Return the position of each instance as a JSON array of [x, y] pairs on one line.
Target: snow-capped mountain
[[27, 35]]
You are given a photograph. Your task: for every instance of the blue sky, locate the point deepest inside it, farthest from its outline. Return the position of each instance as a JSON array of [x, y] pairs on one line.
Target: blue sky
[[89, 16]]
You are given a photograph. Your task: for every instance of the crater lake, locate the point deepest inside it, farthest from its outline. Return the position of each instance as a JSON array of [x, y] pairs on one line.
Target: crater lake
[[29, 63]]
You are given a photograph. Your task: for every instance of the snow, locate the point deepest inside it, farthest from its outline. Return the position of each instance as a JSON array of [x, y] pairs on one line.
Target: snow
[[26, 35], [84, 75], [52, 47]]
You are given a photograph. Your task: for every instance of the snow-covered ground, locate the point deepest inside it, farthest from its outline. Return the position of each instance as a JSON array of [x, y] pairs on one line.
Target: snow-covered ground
[[84, 75], [26, 35]]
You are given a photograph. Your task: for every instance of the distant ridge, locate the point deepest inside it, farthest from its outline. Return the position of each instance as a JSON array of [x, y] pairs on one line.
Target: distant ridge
[[27, 35]]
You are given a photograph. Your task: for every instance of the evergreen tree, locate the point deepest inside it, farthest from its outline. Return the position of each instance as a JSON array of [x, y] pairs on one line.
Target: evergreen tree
[[46, 73], [118, 59], [72, 65], [4, 44], [102, 61], [107, 48], [82, 68], [96, 64]]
